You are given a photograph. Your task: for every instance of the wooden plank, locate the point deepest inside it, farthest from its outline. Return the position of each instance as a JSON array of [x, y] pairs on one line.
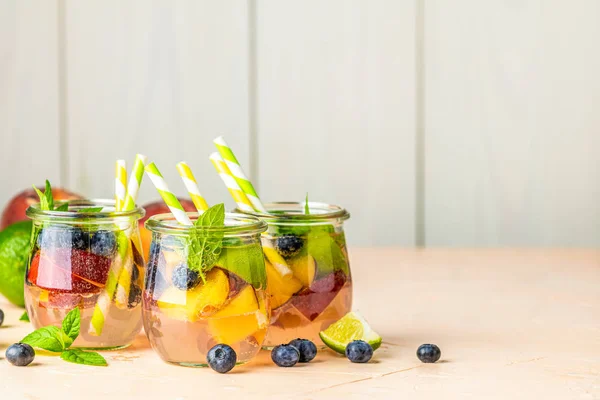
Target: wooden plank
[[512, 142], [30, 150], [162, 79], [336, 113]]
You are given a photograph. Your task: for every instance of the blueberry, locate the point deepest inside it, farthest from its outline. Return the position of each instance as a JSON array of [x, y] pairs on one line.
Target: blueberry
[[20, 354], [1, 317], [80, 240], [289, 245], [428, 353], [221, 358], [53, 237], [184, 278], [285, 355], [306, 348], [359, 351], [103, 243], [135, 296]]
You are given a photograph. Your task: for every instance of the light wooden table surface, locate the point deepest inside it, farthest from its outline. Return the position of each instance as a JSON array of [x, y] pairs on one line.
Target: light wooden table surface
[[512, 324]]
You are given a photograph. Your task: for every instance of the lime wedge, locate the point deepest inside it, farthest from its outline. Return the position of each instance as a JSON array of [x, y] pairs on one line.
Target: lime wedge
[[351, 327]]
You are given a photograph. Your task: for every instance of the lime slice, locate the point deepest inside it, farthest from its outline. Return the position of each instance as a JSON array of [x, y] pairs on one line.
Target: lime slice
[[351, 327]]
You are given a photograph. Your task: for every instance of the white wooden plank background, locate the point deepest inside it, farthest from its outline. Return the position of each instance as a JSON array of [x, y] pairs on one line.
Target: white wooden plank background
[[512, 123], [324, 97], [29, 120], [160, 78], [336, 111]]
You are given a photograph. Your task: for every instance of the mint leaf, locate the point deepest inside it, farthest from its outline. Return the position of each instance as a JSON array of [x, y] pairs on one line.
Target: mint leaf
[[72, 324], [49, 338], [62, 207], [24, 317], [90, 210], [43, 200], [48, 195], [205, 246], [306, 208], [78, 356]]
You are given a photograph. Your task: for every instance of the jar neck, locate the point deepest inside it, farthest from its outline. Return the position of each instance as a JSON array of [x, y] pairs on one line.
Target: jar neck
[[96, 212], [235, 225], [294, 214]]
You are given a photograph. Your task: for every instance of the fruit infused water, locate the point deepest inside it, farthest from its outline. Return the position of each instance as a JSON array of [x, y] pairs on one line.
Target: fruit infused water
[[308, 271], [73, 253], [206, 285]]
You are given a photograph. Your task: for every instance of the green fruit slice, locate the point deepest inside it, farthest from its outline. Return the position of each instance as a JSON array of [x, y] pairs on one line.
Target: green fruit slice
[[351, 327]]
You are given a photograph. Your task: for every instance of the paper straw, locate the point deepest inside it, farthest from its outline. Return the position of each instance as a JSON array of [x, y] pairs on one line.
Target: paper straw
[[167, 196], [135, 180], [236, 192], [118, 283], [192, 186], [238, 174], [120, 184]]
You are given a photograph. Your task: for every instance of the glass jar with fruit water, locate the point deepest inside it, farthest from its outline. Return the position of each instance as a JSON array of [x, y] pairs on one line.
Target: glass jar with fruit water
[[205, 286], [89, 257], [308, 271]]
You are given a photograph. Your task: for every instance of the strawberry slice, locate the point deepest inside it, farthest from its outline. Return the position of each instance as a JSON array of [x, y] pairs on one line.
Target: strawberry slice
[[69, 270]]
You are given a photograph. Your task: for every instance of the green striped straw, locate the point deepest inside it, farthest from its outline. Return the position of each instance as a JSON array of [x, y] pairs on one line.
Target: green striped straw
[[118, 282], [238, 174], [168, 197]]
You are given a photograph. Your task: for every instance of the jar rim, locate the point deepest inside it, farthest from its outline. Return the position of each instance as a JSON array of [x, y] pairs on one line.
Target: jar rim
[[34, 211], [243, 224], [292, 212]]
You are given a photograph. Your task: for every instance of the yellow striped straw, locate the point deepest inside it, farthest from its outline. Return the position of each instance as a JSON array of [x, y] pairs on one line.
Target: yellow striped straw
[[238, 174], [118, 282], [192, 186], [120, 184], [236, 192]]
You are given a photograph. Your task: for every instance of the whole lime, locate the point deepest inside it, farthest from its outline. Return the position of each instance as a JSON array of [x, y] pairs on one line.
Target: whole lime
[[14, 255]]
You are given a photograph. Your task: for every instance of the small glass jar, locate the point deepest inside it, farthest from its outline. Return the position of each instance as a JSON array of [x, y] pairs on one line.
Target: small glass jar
[[91, 260], [308, 270], [205, 286]]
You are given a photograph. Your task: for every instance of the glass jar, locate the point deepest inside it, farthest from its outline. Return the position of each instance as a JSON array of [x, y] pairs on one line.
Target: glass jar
[[205, 286], [308, 270], [91, 260]]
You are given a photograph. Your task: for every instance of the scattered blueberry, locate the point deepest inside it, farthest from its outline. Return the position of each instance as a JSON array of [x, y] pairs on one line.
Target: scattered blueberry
[[359, 351], [289, 245], [184, 278], [80, 240], [306, 348], [103, 243], [221, 358], [428, 353], [20, 354], [135, 296], [285, 355], [1, 317]]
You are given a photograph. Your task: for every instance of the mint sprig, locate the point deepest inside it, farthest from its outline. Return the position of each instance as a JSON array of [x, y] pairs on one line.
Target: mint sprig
[[57, 340], [205, 246], [47, 199], [306, 208], [24, 317]]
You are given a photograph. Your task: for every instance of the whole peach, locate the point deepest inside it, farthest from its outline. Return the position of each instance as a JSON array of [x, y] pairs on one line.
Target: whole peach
[[15, 209]]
